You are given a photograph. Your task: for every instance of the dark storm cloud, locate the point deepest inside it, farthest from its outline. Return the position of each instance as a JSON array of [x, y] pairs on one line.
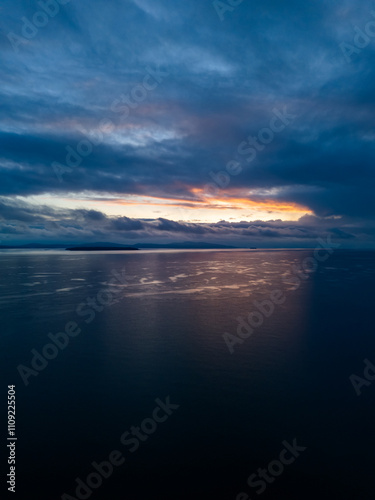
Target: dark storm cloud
[[224, 78]]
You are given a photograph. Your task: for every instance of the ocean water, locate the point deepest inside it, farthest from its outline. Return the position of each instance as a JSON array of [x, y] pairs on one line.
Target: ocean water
[[153, 325]]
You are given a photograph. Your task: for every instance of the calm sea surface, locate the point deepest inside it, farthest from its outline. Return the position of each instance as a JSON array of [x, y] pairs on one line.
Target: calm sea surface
[[157, 331]]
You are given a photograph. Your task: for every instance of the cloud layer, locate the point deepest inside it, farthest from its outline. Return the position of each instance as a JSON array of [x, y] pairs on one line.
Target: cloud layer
[[21, 222]]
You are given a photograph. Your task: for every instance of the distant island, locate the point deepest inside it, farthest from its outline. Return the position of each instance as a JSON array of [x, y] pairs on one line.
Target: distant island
[[185, 245], [99, 249]]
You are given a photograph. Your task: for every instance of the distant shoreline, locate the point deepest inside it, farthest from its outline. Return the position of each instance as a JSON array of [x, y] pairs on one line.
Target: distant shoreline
[[100, 249]]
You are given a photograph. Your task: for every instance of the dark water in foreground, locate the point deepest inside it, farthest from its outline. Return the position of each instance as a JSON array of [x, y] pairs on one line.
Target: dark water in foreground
[[161, 335]]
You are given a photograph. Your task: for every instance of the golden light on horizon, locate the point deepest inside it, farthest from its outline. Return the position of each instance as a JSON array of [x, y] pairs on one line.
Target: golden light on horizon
[[231, 206]]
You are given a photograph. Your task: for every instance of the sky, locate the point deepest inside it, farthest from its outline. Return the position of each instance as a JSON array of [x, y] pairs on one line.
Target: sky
[[234, 122]]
